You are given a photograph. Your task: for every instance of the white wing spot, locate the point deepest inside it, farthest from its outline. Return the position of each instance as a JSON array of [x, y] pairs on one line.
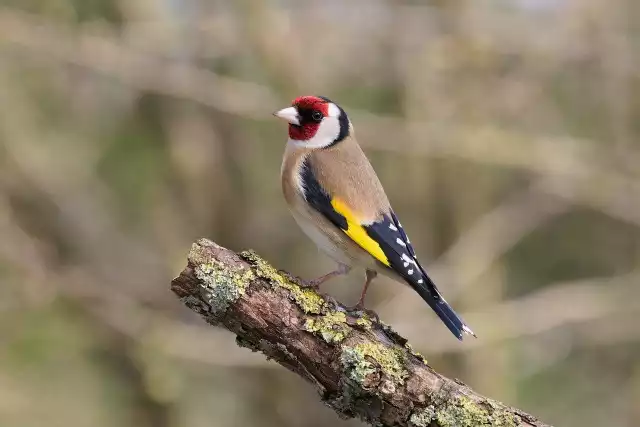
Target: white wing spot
[[400, 242], [393, 227], [406, 264], [410, 271], [408, 260], [420, 281]]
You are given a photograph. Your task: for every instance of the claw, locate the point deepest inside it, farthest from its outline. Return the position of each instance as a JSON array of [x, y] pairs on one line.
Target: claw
[[310, 284], [359, 308]]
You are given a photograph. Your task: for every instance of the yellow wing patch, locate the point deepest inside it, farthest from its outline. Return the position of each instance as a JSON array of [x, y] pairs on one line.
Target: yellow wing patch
[[357, 233]]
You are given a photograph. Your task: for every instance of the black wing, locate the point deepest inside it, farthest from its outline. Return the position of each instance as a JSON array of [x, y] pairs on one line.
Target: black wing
[[402, 258]]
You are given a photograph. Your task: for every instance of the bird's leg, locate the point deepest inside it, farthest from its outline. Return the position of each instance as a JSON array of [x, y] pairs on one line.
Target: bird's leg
[[315, 283], [371, 274]]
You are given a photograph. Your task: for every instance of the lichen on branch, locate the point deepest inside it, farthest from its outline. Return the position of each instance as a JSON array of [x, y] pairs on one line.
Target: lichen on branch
[[360, 367]]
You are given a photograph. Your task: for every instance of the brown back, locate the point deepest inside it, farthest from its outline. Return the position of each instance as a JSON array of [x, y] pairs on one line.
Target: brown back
[[345, 173]]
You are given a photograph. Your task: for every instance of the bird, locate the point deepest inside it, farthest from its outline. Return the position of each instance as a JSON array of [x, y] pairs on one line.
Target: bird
[[336, 198]]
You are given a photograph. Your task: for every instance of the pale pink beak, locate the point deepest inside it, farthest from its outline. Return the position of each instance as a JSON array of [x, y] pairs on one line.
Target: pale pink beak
[[290, 114]]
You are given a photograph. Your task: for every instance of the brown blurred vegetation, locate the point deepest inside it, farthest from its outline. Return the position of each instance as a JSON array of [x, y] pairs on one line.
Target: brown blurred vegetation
[[505, 132]]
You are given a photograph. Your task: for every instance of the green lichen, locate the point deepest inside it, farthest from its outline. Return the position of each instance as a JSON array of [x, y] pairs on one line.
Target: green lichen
[[355, 365], [307, 299], [220, 284], [423, 417], [364, 359], [464, 412], [331, 327]]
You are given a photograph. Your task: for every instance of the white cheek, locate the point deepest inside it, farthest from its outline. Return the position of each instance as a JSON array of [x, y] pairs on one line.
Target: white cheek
[[327, 132]]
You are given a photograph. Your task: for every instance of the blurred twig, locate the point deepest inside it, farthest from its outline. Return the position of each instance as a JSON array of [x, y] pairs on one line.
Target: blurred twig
[[571, 169], [492, 235], [498, 231], [137, 68], [108, 56], [580, 306]]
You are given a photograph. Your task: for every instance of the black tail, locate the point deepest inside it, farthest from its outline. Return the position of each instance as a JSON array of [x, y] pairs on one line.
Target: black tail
[[430, 294], [401, 257]]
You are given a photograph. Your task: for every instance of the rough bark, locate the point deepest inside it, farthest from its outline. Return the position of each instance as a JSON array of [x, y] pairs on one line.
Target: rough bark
[[360, 367]]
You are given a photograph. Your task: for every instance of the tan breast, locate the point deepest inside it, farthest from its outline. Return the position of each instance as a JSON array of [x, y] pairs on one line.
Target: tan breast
[[291, 163], [323, 233]]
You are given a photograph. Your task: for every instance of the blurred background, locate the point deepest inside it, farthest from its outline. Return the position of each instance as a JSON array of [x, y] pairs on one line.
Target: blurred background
[[128, 129]]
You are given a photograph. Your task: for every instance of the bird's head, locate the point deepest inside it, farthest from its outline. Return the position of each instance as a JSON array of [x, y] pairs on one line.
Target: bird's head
[[315, 122]]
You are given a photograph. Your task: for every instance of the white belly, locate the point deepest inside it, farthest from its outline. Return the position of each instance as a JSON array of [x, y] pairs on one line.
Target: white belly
[[322, 240], [339, 247]]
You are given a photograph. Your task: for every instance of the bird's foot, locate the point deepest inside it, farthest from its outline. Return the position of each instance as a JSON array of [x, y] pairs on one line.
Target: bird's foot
[[312, 283], [315, 283], [359, 308]]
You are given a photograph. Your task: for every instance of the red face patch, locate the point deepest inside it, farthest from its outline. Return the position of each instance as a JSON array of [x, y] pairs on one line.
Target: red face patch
[[307, 106], [304, 132]]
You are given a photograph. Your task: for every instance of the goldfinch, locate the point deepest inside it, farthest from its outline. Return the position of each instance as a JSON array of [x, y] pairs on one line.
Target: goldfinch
[[336, 198]]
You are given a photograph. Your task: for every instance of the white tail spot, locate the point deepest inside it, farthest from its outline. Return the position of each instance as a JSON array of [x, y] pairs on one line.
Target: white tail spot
[[468, 330]]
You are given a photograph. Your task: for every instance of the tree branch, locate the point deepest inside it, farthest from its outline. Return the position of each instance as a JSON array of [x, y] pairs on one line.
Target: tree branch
[[361, 367]]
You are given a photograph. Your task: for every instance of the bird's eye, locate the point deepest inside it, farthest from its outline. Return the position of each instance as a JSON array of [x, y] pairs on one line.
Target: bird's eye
[[317, 116]]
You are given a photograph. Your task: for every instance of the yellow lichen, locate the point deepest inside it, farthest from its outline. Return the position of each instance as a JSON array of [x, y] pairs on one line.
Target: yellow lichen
[[364, 322], [415, 353], [464, 412], [365, 358], [307, 299], [331, 327]]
